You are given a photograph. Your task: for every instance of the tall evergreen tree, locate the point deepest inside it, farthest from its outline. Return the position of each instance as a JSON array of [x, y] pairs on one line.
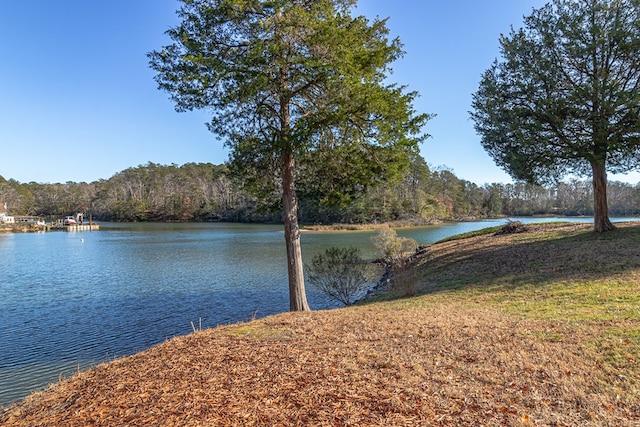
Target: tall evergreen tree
[[565, 96], [283, 78]]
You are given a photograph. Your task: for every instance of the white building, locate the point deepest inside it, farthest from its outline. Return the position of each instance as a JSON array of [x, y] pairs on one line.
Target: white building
[[6, 219]]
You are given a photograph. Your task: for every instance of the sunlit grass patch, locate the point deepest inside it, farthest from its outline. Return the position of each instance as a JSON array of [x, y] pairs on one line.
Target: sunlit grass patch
[[619, 347], [586, 301], [257, 331]]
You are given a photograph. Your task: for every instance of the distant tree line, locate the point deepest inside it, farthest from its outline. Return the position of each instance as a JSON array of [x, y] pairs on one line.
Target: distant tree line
[[207, 192]]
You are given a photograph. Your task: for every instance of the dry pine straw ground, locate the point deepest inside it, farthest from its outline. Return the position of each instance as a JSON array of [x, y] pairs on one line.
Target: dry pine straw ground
[[439, 365], [407, 363]]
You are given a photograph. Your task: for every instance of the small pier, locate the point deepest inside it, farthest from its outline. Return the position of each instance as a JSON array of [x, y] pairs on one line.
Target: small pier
[[60, 225], [75, 223], [31, 224], [81, 227]]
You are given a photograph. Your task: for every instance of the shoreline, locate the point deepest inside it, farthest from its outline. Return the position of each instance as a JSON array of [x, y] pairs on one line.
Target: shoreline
[[371, 226]]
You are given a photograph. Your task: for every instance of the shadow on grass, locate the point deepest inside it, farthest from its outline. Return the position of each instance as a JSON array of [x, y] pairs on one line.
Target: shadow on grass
[[544, 254]]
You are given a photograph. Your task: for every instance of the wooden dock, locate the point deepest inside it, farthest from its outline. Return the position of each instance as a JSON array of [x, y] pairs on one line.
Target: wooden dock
[[82, 227], [59, 225]]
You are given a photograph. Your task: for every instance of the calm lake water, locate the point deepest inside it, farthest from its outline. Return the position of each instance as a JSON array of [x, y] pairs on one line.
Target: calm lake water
[[72, 300]]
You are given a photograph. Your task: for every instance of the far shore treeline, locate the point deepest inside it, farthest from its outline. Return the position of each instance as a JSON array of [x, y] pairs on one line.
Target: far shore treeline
[[207, 192]]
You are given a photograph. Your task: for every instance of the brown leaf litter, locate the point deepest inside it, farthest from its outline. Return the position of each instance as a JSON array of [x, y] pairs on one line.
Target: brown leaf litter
[[373, 365]]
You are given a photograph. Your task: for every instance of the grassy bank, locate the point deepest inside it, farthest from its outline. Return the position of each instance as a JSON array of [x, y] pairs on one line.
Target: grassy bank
[[534, 328], [368, 226]]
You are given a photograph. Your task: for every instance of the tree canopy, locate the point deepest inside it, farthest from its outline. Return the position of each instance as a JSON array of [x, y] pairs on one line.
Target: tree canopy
[[205, 192], [284, 79], [564, 99]]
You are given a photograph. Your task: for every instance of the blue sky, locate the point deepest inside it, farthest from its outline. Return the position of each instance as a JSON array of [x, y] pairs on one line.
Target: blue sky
[[78, 101]]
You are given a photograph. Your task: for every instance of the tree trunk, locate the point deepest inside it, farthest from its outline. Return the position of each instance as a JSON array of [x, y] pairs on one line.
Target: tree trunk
[[601, 221], [297, 293]]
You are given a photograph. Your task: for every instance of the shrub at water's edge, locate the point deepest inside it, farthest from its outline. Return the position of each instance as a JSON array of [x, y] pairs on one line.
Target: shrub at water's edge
[[341, 274]]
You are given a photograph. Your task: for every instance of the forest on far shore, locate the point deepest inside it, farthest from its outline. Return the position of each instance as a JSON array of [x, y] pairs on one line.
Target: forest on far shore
[[208, 192]]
